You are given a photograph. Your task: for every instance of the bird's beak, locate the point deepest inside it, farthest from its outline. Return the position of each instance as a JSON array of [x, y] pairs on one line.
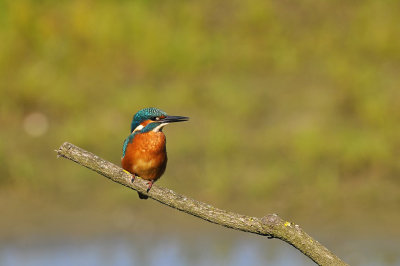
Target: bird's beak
[[173, 119]]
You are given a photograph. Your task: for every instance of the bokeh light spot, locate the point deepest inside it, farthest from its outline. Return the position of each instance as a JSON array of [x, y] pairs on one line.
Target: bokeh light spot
[[35, 124]]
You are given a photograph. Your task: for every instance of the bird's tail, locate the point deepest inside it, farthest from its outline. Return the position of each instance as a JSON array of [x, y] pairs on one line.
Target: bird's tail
[[143, 196]]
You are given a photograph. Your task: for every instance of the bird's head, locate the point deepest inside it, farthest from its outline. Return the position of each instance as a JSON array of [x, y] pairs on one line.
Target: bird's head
[[153, 119]]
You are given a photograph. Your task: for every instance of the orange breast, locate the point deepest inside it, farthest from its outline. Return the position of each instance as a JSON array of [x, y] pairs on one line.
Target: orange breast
[[146, 155]]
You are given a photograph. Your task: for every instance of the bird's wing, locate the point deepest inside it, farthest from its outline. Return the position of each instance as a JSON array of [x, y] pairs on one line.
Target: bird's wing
[[127, 141]]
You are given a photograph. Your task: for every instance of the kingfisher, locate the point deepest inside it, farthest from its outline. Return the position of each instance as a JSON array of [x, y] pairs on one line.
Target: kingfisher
[[144, 152]]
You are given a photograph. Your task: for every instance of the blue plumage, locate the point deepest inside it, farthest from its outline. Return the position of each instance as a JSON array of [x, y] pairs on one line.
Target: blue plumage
[[150, 127], [128, 140], [144, 114]]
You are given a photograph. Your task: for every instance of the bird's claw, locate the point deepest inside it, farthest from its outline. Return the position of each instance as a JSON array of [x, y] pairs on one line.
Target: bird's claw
[[150, 184], [133, 176]]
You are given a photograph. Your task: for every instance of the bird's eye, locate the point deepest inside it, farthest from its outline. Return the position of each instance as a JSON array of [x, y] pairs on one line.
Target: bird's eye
[[157, 118]]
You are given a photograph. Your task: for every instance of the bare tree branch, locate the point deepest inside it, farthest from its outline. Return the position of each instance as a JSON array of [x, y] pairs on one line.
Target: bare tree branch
[[270, 225]]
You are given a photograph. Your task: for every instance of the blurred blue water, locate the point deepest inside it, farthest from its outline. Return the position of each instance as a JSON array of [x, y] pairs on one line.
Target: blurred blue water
[[179, 250]]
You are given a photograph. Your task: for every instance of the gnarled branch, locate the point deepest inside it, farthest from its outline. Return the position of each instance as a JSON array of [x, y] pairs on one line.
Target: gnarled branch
[[270, 225]]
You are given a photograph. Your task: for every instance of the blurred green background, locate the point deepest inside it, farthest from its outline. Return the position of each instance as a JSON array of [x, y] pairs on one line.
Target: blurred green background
[[294, 110]]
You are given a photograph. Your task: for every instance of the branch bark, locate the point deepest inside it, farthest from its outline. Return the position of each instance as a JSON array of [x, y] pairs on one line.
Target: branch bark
[[270, 225]]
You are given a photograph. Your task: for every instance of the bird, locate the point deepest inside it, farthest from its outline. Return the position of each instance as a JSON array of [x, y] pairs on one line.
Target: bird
[[144, 152]]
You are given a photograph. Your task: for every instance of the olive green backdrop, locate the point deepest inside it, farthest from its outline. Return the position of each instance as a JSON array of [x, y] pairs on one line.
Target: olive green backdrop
[[294, 109]]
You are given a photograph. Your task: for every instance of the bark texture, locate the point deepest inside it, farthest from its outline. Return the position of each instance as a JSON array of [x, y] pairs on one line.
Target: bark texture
[[271, 225]]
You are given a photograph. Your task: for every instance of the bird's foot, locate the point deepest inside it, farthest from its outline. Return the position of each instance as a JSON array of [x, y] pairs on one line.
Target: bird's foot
[[150, 184], [133, 175]]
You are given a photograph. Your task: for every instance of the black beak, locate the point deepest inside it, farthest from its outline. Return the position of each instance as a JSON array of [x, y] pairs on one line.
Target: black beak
[[172, 119]]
